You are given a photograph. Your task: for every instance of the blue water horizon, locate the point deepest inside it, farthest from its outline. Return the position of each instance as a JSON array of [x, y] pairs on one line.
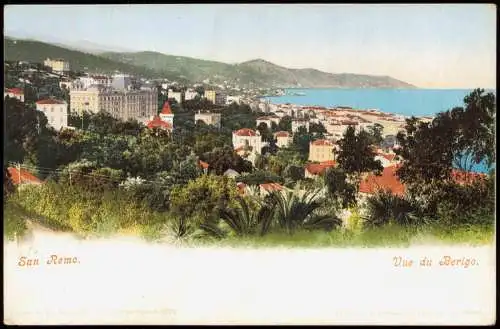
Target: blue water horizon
[[407, 102]]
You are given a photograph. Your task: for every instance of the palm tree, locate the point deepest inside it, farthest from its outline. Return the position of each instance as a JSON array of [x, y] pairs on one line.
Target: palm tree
[[300, 211], [244, 221], [385, 207]]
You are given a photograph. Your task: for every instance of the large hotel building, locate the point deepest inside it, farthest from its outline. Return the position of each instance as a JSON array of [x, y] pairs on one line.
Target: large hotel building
[[121, 104]]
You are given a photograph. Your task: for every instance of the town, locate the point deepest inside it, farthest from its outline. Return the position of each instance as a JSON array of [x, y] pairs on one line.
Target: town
[[179, 139]]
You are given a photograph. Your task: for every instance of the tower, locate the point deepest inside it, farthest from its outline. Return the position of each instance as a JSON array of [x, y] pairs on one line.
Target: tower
[[166, 114]]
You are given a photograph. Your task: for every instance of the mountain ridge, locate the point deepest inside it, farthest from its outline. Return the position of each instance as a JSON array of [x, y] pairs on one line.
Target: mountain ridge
[[252, 73]]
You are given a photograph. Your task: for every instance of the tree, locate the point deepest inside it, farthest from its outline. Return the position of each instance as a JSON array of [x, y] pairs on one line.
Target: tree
[[265, 132], [260, 177], [339, 188], [384, 208], [301, 141], [356, 153], [429, 151], [202, 199], [245, 219], [222, 159], [375, 132], [8, 185], [285, 124], [317, 129], [295, 212]]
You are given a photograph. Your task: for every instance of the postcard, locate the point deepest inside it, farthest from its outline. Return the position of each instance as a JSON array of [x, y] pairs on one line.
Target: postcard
[[250, 164]]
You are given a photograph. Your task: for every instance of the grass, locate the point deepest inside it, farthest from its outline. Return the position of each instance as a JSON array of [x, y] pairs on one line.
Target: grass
[[386, 236]]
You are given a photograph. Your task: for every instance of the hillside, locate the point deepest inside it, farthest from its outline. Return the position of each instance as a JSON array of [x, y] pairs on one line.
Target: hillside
[[148, 64], [258, 72], [35, 51]]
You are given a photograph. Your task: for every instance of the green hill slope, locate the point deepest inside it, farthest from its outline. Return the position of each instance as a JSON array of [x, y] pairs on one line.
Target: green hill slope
[[258, 72], [35, 51], [148, 64]]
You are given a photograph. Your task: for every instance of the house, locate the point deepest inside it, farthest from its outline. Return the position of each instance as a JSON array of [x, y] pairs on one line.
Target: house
[[268, 120], [175, 95], [14, 93], [388, 181], [209, 118], [22, 176], [297, 123], [166, 114], [56, 112], [321, 150], [157, 122], [314, 170], [57, 65], [248, 137], [283, 138], [190, 95]]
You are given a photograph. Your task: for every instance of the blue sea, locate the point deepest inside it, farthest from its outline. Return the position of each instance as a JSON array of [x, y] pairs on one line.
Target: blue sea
[[408, 102]]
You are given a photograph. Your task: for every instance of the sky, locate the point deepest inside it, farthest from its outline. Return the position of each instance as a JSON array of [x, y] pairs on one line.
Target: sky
[[430, 46]]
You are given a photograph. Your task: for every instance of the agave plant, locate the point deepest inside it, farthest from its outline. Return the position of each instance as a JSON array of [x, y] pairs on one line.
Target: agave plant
[[385, 207], [244, 220], [299, 210]]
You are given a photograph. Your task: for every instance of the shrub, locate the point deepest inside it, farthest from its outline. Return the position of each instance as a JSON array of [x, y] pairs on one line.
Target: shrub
[[385, 207]]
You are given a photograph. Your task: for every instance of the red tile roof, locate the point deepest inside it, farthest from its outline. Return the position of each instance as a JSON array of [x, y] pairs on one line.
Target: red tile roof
[[322, 142], [166, 109], [15, 91], [24, 178], [282, 134], [157, 122], [50, 101], [387, 181], [463, 177], [269, 187], [320, 168], [203, 164], [245, 132]]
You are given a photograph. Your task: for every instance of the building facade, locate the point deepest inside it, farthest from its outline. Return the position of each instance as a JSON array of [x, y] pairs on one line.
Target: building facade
[[121, 104], [246, 137], [283, 138], [56, 112], [57, 65], [190, 95], [321, 150], [175, 95], [297, 123], [213, 119]]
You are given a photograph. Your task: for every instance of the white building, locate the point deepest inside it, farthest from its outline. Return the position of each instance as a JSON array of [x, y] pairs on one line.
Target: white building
[[283, 138], [87, 81], [232, 99], [268, 120], [190, 94], [57, 65], [248, 138], [175, 95], [121, 104], [56, 112], [209, 118], [14, 93], [297, 123]]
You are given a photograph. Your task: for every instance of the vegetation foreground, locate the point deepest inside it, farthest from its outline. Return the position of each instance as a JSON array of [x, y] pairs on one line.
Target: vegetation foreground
[[112, 177]]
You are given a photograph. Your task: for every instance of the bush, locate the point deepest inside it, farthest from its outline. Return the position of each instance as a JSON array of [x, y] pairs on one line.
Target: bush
[[385, 207]]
